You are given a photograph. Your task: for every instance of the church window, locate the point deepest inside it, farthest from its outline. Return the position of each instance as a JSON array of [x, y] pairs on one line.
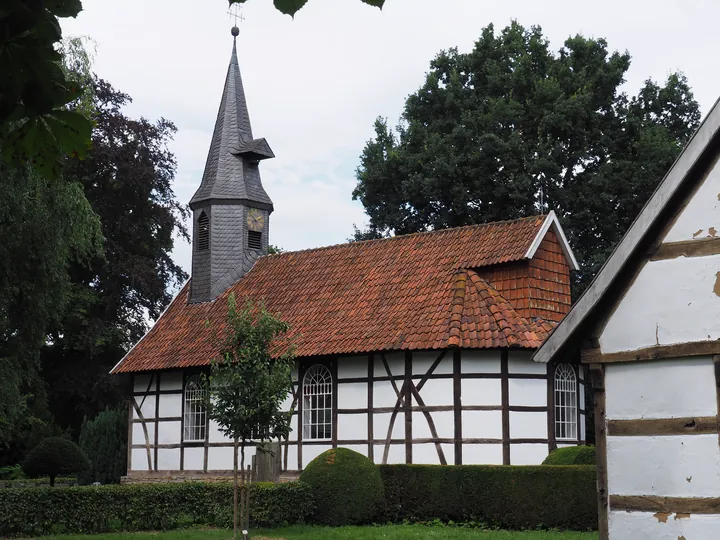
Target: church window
[[565, 403], [195, 412], [254, 240], [317, 403], [203, 236]]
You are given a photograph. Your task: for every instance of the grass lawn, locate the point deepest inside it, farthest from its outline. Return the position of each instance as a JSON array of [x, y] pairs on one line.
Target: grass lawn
[[392, 532]]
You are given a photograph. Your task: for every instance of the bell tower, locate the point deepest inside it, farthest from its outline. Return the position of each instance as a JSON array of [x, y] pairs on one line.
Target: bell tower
[[230, 209]]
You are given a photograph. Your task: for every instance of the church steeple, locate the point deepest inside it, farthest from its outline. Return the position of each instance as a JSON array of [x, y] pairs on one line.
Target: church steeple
[[230, 208]]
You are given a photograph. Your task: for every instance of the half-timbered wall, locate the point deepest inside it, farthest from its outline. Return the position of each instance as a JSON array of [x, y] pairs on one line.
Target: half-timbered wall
[[430, 407]]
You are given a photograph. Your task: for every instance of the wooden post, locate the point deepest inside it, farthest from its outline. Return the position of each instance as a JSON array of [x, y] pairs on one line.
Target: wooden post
[[457, 405], [505, 389], [597, 380]]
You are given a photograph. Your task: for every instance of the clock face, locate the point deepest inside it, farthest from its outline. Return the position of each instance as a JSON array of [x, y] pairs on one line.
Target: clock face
[[255, 220]]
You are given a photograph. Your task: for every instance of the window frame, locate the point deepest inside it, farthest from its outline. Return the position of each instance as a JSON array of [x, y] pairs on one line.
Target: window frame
[[565, 403], [327, 408], [192, 384]]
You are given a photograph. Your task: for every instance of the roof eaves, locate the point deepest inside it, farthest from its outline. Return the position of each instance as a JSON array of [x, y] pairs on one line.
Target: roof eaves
[[707, 133]]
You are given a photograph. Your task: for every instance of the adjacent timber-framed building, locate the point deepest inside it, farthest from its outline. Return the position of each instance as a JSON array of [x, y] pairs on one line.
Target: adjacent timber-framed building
[[412, 349]]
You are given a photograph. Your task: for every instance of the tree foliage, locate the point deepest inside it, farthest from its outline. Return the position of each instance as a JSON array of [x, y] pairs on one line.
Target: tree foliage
[[251, 378], [53, 457], [127, 178], [103, 439], [291, 7], [35, 125], [511, 128]]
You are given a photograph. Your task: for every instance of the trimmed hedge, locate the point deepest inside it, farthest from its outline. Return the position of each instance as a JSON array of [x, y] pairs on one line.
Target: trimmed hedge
[[95, 509], [571, 455], [53, 457], [511, 497], [346, 486]]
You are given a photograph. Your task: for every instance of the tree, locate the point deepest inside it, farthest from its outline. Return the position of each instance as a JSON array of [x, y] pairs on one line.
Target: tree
[[248, 382], [104, 441], [510, 129], [35, 125], [291, 7], [127, 178], [53, 457]]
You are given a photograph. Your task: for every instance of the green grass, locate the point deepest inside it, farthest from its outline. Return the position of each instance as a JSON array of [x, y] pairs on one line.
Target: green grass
[[390, 532]]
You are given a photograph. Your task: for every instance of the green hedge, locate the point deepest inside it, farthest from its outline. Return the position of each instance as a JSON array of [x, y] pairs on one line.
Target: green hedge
[[512, 497], [94, 509], [571, 455]]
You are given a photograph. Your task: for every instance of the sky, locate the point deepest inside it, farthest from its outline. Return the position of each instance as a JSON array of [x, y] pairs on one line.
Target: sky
[[316, 83]]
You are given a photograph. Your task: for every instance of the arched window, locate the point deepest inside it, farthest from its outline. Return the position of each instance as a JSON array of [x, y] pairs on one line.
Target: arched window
[[203, 234], [565, 403], [195, 414], [317, 403]]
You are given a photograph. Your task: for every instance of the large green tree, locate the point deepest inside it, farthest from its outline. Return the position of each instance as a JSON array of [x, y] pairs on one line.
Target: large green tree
[[512, 128], [127, 178]]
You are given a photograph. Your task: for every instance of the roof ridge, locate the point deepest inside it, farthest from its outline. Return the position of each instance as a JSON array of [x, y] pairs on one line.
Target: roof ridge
[[409, 235]]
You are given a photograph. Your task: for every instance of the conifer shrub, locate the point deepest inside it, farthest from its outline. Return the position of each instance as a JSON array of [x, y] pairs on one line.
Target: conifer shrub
[[104, 441], [346, 486], [571, 455], [55, 456]]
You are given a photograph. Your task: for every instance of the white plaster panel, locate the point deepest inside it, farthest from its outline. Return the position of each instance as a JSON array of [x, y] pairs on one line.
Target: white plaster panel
[[701, 213], [519, 362], [435, 392], [193, 459], [384, 394], [293, 428], [292, 457], [427, 454], [528, 454], [583, 427], [480, 361], [353, 395], [661, 389], [662, 465], [645, 526], [527, 425], [395, 361], [482, 454], [481, 391], [422, 362], [214, 433], [396, 453], [482, 425], [527, 392], [139, 460], [351, 367], [140, 383], [359, 448], [381, 422], [220, 458], [444, 424], [671, 301], [287, 403], [311, 451], [169, 433], [170, 405], [352, 427], [147, 408], [138, 434], [168, 459], [171, 380]]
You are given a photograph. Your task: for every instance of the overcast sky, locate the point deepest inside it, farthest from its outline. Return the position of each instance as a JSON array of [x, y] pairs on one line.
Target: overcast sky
[[315, 84]]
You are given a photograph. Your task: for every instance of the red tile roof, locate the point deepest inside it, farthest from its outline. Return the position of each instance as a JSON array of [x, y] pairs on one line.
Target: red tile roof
[[417, 291]]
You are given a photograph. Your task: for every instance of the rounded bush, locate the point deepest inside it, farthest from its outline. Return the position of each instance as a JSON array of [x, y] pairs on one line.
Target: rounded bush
[[347, 487], [571, 455], [55, 456]]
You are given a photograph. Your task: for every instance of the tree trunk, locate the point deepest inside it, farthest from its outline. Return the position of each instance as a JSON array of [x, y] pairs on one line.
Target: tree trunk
[[245, 509], [52, 481], [235, 490]]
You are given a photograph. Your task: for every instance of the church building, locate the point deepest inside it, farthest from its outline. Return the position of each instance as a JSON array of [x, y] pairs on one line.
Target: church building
[[411, 349]]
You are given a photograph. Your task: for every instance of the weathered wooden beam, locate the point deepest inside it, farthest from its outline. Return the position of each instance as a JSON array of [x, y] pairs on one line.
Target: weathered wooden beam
[[457, 405], [370, 399], [597, 379], [657, 352], [701, 247], [505, 396], [665, 505], [550, 383], [647, 427]]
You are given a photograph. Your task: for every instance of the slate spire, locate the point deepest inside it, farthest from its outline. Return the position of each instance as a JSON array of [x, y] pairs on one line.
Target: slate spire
[[231, 209]]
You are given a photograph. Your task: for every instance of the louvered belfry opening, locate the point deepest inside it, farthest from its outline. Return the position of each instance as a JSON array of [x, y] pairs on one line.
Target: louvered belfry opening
[[203, 236], [254, 240]]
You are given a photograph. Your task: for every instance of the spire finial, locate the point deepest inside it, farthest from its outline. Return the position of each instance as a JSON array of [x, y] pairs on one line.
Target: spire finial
[[238, 16]]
